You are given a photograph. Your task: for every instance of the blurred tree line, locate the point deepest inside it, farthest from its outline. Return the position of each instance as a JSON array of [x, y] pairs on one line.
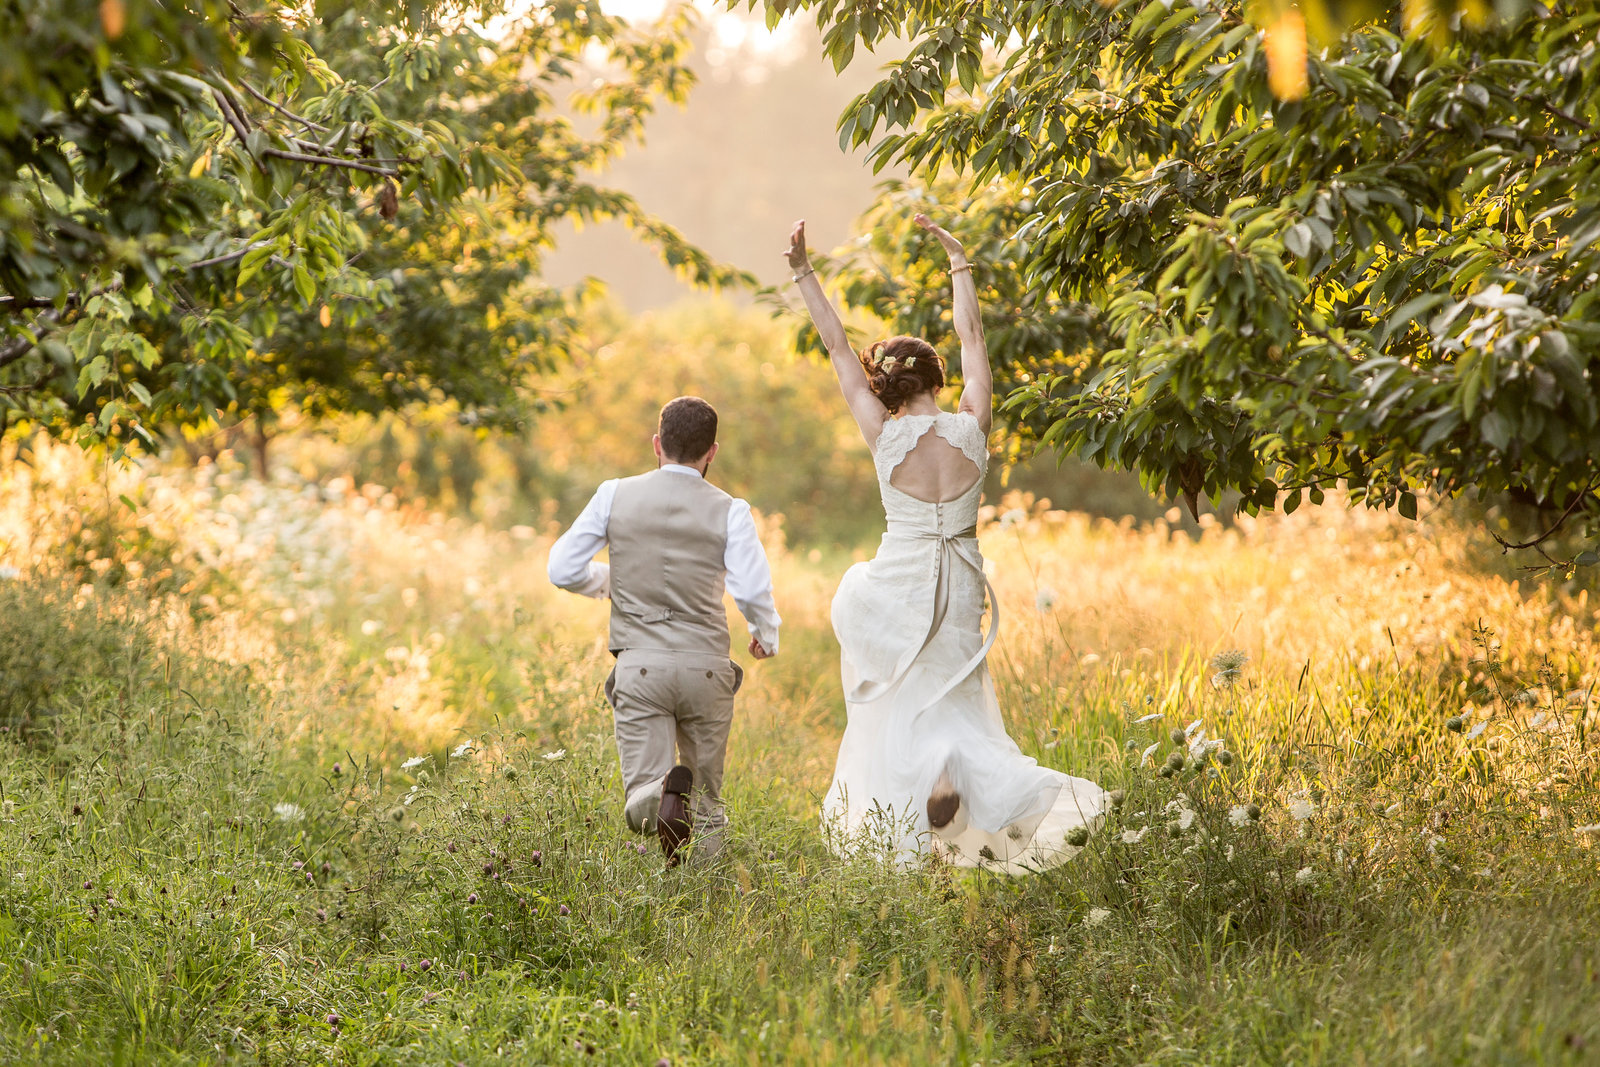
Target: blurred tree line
[[788, 445]]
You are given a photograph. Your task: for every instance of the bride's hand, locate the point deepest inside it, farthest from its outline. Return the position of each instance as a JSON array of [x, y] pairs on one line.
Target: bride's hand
[[797, 246], [951, 245]]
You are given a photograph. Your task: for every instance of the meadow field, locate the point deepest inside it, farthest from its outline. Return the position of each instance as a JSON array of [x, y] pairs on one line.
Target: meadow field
[[299, 771]]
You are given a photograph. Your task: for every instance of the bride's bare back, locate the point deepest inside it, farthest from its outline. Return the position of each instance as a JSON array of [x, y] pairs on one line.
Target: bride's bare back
[[935, 471]]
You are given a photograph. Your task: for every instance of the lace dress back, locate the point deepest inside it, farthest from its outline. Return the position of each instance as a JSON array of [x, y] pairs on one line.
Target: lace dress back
[[921, 705]]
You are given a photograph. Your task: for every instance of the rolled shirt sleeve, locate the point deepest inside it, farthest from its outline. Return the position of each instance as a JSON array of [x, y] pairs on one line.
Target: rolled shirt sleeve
[[749, 578], [572, 564]]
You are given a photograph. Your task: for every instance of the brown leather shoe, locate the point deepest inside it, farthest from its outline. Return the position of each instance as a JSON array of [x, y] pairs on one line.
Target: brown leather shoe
[[942, 806], [673, 822]]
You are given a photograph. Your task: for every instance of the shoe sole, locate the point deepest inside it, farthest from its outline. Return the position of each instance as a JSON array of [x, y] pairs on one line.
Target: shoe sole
[[675, 827]]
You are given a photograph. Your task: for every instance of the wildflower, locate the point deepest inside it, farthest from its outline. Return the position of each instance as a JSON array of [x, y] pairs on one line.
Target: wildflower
[[1592, 828], [537, 857], [1175, 761], [337, 770], [1131, 743], [397, 814], [370, 627], [1229, 666], [1301, 807], [1225, 758], [462, 749], [1147, 718], [472, 898], [1097, 916], [1089, 660], [397, 654], [8, 808], [9, 573], [1454, 724], [1133, 837], [1393, 809], [322, 915], [1078, 836], [1012, 517], [1254, 811], [333, 1020], [564, 910], [1477, 731], [1239, 815], [1116, 797], [1045, 598], [424, 965], [414, 761], [1177, 736], [1151, 751], [1305, 876], [509, 773], [558, 754], [287, 812]]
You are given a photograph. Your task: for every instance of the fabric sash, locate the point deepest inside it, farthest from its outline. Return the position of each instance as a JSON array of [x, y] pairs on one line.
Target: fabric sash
[[950, 548]]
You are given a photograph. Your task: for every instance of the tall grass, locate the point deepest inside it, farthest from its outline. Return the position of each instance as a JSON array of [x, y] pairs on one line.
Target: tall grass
[[296, 773]]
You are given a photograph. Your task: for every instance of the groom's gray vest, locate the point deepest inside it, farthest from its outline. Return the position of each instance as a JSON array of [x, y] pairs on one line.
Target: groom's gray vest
[[668, 536]]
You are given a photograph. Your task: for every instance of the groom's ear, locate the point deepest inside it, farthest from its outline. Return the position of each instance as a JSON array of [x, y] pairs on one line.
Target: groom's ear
[[711, 455], [655, 443]]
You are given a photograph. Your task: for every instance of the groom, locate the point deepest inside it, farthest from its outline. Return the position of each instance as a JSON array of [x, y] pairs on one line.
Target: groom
[[676, 542]]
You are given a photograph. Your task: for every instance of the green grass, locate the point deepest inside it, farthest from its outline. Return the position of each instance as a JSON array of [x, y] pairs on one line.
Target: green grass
[[160, 903]]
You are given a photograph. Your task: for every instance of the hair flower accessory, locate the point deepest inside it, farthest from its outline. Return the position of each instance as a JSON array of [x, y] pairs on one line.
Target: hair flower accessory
[[911, 361]]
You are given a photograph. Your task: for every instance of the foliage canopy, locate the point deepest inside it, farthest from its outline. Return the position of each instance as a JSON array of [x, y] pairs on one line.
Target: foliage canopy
[[210, 211], [1385, 281]]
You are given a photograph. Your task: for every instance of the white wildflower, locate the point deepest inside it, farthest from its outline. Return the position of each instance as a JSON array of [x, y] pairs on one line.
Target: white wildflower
[[370, 627], [408, 597], [1151, 751], [414, 761], [1537, 719], [1012, 517], [8, 573], [1227, 853], [1302, 807], [1592, 828], [1089, 660], [1305, 876], [1045, 598], [1239, 815], [1185, 818], [1477, 731], [1133, 837], [288, 812], [1393, 809], [397, 654], [559, 753], [1192, 727], [1097, 916], [462, 749], [1152, 717]]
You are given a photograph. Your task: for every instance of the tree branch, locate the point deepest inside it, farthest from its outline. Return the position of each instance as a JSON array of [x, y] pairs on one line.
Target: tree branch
[[330, 161], [280, 109], [1577, 498]]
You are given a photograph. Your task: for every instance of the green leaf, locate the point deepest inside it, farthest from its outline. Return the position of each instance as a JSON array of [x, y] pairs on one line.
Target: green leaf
[[1408, 506]]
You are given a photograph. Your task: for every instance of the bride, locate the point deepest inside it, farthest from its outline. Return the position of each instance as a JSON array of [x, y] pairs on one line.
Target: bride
[[925, 763]]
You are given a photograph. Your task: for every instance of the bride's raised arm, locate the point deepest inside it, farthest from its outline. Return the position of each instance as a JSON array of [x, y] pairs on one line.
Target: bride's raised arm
[[977, 383], [869, 412]]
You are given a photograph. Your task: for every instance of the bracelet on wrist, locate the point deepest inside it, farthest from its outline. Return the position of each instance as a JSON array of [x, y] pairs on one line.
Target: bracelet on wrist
[[805, 274], [958, 270]]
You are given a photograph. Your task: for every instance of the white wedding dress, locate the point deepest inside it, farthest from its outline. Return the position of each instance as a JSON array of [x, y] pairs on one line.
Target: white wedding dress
[[920, 700]]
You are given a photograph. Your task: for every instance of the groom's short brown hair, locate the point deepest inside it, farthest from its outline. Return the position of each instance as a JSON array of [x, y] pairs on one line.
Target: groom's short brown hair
[[688, 428]]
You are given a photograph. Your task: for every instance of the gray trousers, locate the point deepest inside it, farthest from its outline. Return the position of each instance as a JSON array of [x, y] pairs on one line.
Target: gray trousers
[[663, 700]]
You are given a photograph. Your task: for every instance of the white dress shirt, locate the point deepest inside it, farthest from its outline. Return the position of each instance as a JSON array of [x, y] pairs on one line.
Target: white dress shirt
[[749, 581]]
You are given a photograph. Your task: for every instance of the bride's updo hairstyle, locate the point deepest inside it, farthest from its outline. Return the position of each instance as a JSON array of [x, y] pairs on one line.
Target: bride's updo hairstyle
[[901, 367]]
